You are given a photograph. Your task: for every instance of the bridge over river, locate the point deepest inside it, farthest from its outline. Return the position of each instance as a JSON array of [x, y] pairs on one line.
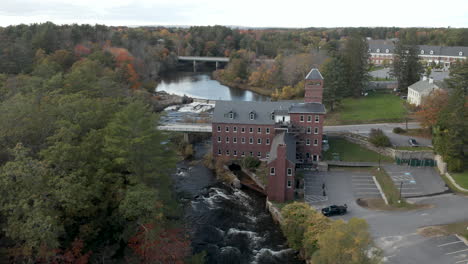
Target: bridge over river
[[217, 60]]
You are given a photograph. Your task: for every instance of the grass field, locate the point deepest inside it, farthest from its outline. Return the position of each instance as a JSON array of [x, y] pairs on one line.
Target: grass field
[[418, 148], [375, 108], [461, 178], [352, 152]]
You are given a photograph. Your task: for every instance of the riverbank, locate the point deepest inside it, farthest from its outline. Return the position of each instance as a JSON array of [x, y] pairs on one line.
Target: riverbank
[[161, 100], [258, 90]]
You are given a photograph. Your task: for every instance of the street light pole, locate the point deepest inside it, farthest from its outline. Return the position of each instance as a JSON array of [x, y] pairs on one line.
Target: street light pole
[[401, 187]]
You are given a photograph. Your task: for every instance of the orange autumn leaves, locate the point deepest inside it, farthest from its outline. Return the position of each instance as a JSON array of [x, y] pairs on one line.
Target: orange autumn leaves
[[126, 61]]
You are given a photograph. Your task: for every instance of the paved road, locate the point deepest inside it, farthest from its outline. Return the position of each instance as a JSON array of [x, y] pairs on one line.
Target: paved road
[[387, 128], [396, 232]]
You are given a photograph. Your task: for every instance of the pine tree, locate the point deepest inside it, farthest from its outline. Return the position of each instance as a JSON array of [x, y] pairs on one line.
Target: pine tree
[[406, 66], [356, 60]]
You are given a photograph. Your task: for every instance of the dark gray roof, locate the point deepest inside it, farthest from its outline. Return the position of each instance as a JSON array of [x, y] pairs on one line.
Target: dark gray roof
[[262, 110], [383, 45], [307, 108], [314, 74], [425, 87], [287, 139]]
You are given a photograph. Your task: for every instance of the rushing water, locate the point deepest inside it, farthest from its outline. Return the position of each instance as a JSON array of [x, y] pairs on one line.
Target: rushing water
[[200, 85], [230, 225]]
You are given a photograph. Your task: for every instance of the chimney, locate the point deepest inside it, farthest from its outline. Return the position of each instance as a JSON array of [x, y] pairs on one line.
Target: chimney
[[431, 80]]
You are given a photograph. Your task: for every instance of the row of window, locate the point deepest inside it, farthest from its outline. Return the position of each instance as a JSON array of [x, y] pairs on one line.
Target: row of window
[[288, 171], [259, 130], [242, 154], [259, 141], [251, 129], [309, 118]]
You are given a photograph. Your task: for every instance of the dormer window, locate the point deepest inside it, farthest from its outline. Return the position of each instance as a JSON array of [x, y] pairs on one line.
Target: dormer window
[[252, 115], [460, 53], [378, 50], [431, 52], [272, 116], [369, 50], [231, 115], [387, 50], [422, 51]]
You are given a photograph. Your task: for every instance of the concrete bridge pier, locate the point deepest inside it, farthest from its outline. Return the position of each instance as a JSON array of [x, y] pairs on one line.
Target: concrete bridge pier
[[217, 64], [186, 137], [194, 66]]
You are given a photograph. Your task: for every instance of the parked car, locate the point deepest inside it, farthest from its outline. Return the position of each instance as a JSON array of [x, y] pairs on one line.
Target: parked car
[[413, 142], [335, 210]]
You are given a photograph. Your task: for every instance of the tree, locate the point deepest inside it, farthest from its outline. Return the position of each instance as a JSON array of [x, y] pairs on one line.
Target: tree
[[378, 138], [334, 72], [406, 66], [356, 60], [346, 243], [431, 107], [316, 225], [295, 216]]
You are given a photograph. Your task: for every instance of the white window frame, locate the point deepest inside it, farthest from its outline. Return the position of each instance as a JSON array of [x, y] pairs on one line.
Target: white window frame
[[227, 140], [289, 184], [315, 142], [268, 141], [272, 170], [219, 128], [252, 116], [234, 140], [227, 128], [251, 141], [308, 142], [259, 154], [243, 140], [242, 129], [259, 130], [317, 119], [289, 171], [227, 152], [309, 118], [234, 153], [316, 130], [259, 141], [231, 115], [301, 118], [309, 130], [251, 129], [234, 129], [268, 130]]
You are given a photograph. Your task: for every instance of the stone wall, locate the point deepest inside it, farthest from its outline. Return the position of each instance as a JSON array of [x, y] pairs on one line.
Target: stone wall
[[275, 213], [441, 165], [390, 152], [253, 176]]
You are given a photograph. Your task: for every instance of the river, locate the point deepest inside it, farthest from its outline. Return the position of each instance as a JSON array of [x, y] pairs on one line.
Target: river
[[230, 225], [200, 85]]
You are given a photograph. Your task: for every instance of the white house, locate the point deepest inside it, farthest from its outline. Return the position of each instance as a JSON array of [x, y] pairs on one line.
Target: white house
[[422, 88]]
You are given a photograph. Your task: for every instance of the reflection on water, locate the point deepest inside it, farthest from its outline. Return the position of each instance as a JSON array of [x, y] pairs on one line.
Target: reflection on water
[[200, 85]]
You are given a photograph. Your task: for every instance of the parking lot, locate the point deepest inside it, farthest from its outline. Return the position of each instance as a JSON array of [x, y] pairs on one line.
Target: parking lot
[[416, 181], [444, 249]]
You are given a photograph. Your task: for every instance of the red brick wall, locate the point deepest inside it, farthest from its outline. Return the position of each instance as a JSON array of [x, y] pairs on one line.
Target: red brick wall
[[277, 189], [313, 91], [302, 147], [239, 147]]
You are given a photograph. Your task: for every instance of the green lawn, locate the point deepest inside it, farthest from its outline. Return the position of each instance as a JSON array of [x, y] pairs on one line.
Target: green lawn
[[352, 152], [376, 107], [419, 148], [461, 178]]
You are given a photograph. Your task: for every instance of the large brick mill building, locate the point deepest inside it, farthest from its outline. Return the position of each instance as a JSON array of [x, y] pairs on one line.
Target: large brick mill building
[[285, 134]]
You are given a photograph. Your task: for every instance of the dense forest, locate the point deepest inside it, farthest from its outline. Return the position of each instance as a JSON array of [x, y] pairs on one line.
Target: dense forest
[[84, 175]]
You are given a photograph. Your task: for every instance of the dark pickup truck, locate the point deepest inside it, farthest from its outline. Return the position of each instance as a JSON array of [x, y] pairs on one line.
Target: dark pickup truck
[[335, 210]]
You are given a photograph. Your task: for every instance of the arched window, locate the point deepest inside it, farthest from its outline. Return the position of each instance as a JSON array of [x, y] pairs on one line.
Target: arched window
[[422, 51], [460, 53], [387, 50], [431, 52], [378, 50]]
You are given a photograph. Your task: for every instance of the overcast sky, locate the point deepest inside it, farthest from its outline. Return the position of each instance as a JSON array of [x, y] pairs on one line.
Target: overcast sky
[[252, 13]]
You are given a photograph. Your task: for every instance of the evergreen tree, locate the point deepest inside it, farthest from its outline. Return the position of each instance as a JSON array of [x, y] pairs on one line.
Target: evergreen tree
[[334, 72], [356, 60], [406, 66]]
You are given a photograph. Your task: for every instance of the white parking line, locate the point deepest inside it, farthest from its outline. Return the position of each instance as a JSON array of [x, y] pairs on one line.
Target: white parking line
[[443, 245], [455, 252], [364, 183], [365, 188], [462, 261]]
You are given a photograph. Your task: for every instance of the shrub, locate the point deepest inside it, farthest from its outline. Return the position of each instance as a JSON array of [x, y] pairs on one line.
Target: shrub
[[454, 164], [250, 162], [378, 138], [398, 130], [294, 226]]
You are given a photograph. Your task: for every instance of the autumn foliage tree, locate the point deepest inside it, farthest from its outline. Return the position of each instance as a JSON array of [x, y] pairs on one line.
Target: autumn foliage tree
[[431, 107]]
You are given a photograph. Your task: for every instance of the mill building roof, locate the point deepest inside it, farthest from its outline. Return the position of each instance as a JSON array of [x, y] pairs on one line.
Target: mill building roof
[[287, 139]]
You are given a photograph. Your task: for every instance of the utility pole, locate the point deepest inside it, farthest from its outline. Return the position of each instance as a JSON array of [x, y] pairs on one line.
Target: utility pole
[[401, 187]]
